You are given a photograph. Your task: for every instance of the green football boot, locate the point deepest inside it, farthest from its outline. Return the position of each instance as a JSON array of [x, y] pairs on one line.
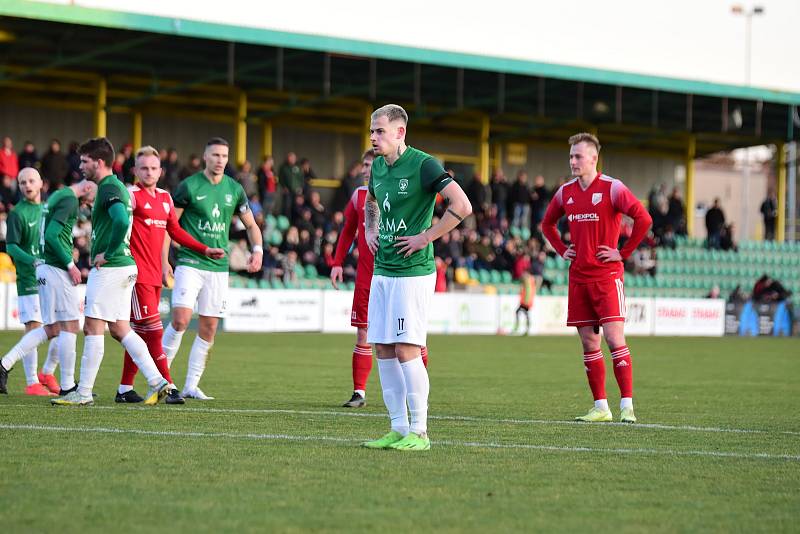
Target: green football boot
[[412, 442], [385, 442]]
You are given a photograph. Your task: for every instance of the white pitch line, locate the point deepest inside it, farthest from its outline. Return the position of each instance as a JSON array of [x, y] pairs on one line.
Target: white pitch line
[[464, 418], [488, 445]]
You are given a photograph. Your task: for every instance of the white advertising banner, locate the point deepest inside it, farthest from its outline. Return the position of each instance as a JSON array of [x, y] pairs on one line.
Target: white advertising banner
[[11, 316], [462, 314], [336, 309], [273, 311], [550, 316], [639, 319], [689, 317]]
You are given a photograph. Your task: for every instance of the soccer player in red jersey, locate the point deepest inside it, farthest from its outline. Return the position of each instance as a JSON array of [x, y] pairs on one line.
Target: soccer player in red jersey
[[153, 216], [593, 204], [353, 229]]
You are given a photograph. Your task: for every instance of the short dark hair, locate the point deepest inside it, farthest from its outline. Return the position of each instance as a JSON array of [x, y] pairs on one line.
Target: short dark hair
[[217, 141], [368, 154], [98, 148]]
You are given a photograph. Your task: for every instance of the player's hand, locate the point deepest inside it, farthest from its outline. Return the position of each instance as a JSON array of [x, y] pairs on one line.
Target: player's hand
[[336, 276], [372, 241], [254, 263], [215, 253], [608, 254], [74, 275], [409, 244], [570, 253], [100, 260], [166, 274]]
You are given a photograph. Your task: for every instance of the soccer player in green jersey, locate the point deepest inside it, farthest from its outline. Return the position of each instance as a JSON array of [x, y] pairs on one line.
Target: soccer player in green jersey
[[111, 280], [205, 202], [57, 277], [403, 186], [22, 244]]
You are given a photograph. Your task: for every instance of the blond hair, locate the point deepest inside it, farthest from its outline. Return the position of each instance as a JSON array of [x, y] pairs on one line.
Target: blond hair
[[147, 150], [392, 112], [585, 137]]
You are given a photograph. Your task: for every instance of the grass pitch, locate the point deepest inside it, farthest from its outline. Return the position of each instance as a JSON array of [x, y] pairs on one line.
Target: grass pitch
[[717, 447]]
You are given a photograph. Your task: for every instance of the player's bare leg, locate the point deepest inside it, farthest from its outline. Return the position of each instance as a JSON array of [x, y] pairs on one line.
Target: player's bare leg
[[614, 332], [595, 368]]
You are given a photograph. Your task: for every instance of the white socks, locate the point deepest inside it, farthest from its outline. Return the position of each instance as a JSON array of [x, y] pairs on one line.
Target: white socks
[[27, 343], [171, 341], [93, 348], [31, 362], [601, 404], [51, 362], [140, 355], [625, 402], [393, 383], [67, 342], [197, 362], [417, 387]]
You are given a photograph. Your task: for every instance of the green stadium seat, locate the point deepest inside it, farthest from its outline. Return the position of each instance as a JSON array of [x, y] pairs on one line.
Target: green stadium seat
[[270, 221], [275, 237], [277, 284], [264, 284], [496, 277], [252, 284], [299, 271], [311, 271], [506, 275], [283, 223], [484, 277]]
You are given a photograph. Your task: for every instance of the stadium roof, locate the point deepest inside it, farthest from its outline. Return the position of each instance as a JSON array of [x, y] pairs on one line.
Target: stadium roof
[[176, 64]]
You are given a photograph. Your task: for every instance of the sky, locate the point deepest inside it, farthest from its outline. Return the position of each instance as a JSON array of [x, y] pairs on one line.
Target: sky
[[689, 39]]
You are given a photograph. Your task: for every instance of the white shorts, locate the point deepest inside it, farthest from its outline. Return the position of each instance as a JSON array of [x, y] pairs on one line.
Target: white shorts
[[108, 293], [28, 308], [207, 289], [398, 309], [59, 300]]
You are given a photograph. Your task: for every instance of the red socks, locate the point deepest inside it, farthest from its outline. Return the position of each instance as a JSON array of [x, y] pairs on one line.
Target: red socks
[[362, 365], [596, 373], [424, 352], [151, 332], [623, 370]]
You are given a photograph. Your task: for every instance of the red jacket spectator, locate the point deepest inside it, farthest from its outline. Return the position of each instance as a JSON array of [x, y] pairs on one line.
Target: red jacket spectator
[[9, 164]]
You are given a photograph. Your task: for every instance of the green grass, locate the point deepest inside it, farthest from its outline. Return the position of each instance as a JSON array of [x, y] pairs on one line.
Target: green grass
[[249, 461]]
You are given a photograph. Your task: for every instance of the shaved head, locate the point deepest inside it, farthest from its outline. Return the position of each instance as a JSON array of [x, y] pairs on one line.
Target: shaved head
[[30, 184]]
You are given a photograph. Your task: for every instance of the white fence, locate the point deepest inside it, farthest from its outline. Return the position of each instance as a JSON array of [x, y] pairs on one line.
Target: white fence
[[259, 310], [251, 310]]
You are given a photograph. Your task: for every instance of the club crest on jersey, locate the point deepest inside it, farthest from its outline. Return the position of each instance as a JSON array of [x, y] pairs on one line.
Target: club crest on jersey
[[597, 198], [166, 207], [228, 199], [403, 184]]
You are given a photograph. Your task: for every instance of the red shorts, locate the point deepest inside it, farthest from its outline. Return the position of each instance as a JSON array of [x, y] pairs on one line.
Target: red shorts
[[596, 303], [144, 301], [358, 317]]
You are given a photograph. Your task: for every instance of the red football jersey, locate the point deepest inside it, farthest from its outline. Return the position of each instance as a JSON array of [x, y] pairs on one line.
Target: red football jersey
[[153, 216], [594, 217], [354, 229]]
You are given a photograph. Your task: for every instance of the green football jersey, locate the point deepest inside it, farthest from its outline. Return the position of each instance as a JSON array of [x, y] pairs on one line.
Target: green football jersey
[[207, 212], [406, 195], [110, 191], [23, 230], [62, 206]]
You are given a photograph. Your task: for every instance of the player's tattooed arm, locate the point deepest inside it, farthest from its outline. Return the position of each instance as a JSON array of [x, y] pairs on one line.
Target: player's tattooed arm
[[458, 209], [371, 221]]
